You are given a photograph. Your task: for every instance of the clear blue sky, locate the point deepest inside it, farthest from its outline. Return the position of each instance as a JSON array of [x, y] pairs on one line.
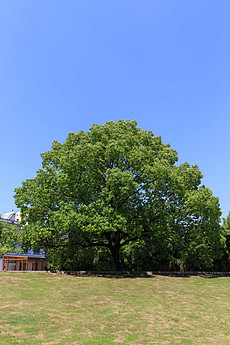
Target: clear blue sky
[[65, 65]]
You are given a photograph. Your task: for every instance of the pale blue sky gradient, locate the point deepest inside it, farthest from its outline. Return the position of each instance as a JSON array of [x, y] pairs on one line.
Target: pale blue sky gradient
[[65, 65]]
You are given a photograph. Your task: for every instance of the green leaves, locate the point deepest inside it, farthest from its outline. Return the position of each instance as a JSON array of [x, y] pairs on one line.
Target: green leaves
[[115, 185], [9, 238]]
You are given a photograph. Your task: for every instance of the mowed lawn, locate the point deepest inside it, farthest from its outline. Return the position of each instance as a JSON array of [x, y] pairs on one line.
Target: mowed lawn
[[45, 308]]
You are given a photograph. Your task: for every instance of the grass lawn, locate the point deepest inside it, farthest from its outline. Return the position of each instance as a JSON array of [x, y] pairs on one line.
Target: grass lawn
[[49, 308]]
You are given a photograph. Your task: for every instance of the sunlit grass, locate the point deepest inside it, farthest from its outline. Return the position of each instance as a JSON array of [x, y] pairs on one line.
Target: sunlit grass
[[60, 309]]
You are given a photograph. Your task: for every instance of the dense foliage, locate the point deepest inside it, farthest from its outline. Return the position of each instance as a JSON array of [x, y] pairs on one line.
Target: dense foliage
[[114, 197], [9, 238], [223, 263]]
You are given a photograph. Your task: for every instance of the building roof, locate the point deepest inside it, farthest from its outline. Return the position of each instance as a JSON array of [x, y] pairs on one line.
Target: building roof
[[15, 216]]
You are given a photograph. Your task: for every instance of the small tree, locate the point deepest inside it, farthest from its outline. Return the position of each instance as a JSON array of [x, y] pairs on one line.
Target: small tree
[[9, 238], [115, 185]]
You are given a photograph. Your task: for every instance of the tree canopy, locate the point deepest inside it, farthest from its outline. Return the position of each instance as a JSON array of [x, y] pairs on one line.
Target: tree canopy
[[117, 186]]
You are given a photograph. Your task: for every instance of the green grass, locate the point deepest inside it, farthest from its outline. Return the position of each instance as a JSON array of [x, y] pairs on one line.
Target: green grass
[[60, 309]]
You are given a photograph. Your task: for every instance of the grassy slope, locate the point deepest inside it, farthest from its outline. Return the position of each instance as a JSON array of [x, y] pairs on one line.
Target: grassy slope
[[58, 309]]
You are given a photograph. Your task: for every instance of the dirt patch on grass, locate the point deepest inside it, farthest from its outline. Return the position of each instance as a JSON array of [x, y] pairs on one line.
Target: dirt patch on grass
[[13, 306], [118, 340], [13, 334]]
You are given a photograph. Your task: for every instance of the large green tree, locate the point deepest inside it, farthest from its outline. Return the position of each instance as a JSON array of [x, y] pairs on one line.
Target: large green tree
[[116, 185]]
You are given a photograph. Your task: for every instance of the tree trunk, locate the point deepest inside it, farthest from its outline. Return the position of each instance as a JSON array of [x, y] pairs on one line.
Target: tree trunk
[[115, 250]]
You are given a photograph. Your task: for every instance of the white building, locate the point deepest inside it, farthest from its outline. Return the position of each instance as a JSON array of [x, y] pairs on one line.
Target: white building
[[12, 216], [32, 260]]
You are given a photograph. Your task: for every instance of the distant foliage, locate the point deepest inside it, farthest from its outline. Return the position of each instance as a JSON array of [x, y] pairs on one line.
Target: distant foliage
[[223, 263]]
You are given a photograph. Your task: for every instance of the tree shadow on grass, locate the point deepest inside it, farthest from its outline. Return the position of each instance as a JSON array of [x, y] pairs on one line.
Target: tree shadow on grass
[[145, 274], [211, 276], [114, 275]]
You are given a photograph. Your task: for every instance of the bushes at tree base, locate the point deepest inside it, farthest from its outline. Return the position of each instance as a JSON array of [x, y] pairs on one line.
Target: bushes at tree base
[[139, 256]]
